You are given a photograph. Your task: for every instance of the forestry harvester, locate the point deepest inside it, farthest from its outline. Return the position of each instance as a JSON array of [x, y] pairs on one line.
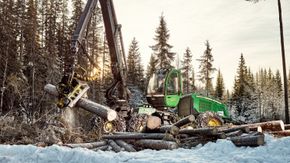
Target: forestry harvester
[[164, 90]]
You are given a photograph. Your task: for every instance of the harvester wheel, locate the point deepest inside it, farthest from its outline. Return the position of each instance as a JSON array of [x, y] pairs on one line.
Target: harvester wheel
[[209, 119]]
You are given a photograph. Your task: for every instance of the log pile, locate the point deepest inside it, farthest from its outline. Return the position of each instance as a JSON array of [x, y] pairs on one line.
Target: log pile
[[175, 136]]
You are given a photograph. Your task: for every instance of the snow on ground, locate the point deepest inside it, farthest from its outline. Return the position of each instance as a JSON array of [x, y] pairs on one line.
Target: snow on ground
[[275, 151]]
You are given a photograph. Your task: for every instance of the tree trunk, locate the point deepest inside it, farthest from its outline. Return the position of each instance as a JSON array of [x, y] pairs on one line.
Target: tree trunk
[[136, 136], [268, 126], [100, 110], [184, 121], [169, 129], [234, 133], [250, 140], [114, 146], [156, 144], [244, 129], [125, 145], [87, 145], [200, 131], [281, 133], [2, 90], [153, 122]]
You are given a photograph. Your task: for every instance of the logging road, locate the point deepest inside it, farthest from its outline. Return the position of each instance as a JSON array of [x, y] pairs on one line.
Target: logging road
[[275, 151]]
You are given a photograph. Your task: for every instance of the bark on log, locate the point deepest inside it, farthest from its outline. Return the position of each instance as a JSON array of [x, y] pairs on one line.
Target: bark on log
[[200, 131], [169, 129], [136, 136], [258, 129], [156, 144], [98, 109], [184, 121], [221, 135], [281, 133], [87, 145], [268, 126], [244, 129], [153, 122], [114, 146], [249, 140], [125, 145]]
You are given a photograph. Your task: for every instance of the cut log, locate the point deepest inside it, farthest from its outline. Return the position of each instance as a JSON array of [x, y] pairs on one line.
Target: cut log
[[287, 126], [249, 140], [184, 121], [153, 122], [281, 133], [136, 136], [234, 133], [244, 129], [125, 145], [221, 135], [169, 129], [257, 129], [268, 126], [115, 146], [87, 145], [98, 109], [156, 144], [200, 131]]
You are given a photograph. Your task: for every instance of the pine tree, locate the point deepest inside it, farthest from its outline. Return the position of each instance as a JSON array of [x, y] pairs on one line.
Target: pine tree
[[220, 88], [162, 49], [206, 69], [187, 66]]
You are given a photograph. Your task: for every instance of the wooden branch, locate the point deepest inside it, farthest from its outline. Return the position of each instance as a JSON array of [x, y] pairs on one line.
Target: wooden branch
[[156, 144], [114, 146], [199, 131], [184, 121], [125, 145], [153, 122], [136, 136], [87, 145], [98, 109], [249, 140], [268, 126]]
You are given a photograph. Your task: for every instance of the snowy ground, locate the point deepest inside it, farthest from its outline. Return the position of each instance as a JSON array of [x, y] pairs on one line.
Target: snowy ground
[[275, 151]]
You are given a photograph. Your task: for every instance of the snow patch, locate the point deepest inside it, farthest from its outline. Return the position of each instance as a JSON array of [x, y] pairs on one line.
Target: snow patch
[[275, 150]]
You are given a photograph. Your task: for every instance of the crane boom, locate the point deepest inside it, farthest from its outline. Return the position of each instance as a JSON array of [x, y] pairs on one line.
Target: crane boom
[[117, 95]]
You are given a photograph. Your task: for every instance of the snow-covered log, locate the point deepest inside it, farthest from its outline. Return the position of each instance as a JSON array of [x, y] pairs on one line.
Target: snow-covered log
[[125, 145], [136, 136], [114, 146], [87, 145], [98, 109], [156, 144]]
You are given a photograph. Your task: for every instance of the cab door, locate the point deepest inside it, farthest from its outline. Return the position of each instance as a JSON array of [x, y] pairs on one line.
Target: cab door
[[173, 88]]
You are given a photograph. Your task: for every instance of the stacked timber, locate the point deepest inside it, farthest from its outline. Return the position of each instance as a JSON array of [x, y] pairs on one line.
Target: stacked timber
[[175, 136]]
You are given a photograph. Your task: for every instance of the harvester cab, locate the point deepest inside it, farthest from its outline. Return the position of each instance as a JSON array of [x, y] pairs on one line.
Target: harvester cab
[[164, 89]]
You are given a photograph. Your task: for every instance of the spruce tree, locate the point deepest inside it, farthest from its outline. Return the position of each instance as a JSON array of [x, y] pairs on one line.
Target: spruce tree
[[206, 69], [192, 85], [186, 70], [135, 70], [162, 49], [220, 88]]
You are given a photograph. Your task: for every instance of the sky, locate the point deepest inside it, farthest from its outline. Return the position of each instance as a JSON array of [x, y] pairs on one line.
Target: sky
[[231, 26]]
